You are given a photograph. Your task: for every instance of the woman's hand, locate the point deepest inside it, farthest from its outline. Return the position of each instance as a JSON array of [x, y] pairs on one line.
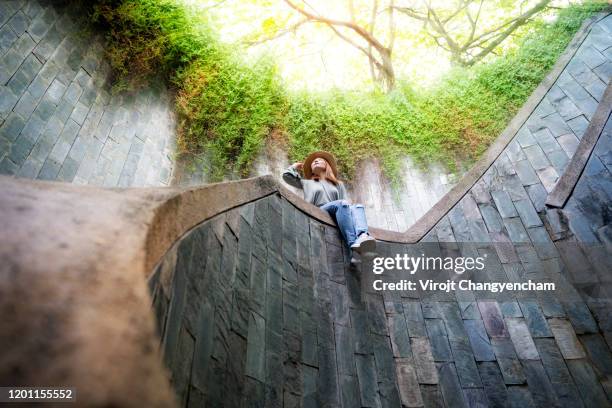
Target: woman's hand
[[298, 165]]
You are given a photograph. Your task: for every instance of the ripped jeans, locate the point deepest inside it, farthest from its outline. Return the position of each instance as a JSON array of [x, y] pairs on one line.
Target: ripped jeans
[[350, 218]]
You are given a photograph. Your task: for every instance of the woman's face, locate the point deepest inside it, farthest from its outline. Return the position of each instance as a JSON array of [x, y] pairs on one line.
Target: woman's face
[[318, 166]]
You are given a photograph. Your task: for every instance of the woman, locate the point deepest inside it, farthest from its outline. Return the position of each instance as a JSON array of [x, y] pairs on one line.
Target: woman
[[322, 188]]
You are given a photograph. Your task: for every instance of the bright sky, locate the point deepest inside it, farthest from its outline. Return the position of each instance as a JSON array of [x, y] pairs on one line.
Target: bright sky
[[312, 56]]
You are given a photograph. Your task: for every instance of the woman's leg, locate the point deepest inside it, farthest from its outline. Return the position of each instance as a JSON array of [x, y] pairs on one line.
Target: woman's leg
[[359, 219], [340, 210]]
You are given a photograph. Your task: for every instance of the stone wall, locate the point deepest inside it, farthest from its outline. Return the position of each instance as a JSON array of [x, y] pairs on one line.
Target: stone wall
[[259, 306], [58, 117]]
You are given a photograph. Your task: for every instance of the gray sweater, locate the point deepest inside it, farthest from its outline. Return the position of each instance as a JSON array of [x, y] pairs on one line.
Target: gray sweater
[[315, 192]]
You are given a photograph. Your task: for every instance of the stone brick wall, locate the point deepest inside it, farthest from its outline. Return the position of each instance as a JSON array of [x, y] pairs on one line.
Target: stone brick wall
[[58, 118], [259, 306]]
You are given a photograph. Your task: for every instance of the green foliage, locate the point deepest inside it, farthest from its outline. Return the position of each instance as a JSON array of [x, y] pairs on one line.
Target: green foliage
[[229, 107]]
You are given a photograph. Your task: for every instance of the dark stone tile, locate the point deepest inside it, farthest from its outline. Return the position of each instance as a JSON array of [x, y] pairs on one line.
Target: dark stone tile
[[516, 230], [475, 397], [255, 358], [493, 319], [449, 311], [368, 382], [551, 307], [360, 325], [203, 346], [409, 390], [527, 213], [504, 204], [494, 387], [309, 388], [181, 366], [586, 381], [546, 140], [376, 315], [349, 390], [449, 385], [385, 366], [559, 160], [345, 350], [581, 318], [566, 339], [508, 361], [439, 341], [521, 338], [559, 376], [389, 395], [526, 173], [414, 319], [424, 361], [479, 340], [432, 397], [599, 353], [465, 364], [510, 309], [569, 143], [525, 138], [537, 194], [520, 397], [548, 176], [398, 332], [235, 369], [536, 157], [536, 322]]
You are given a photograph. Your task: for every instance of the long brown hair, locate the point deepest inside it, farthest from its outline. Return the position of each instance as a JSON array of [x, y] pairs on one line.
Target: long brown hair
[[329, 174]]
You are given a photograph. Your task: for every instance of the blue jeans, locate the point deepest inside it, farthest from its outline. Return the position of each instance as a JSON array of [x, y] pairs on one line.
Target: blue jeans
[[350, 218]]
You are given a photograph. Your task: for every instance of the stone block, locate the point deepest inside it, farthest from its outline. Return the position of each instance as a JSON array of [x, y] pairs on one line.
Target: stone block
[[580, 317], [541, 389], [546, 140], [494, 386], [559, 160], [345, 350], [566, 339], [521, 338], [464, 363], [8, 99], [557, 371], [508, 361], [256, 342], [368, 383], [516, 230], [586, 381], [525, 138], [12, 127], [439, 341], [449, 385], [424, 361], [504, 204], [398, 332], [537, 194], [475, 397], [409, 390], [493, 319], [536, 322], [479, 340], [327, 383], [536, 157], [8, 167], [383, 355]]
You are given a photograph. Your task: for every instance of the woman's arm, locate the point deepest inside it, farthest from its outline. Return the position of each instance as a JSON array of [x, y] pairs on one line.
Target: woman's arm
[[292, 176]]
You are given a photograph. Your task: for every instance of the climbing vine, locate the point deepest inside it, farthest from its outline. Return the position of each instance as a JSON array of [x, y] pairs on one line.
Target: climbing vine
[[229, 107]]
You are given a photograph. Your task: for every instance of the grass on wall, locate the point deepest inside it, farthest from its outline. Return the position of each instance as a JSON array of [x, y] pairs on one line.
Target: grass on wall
[[228, 107]]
